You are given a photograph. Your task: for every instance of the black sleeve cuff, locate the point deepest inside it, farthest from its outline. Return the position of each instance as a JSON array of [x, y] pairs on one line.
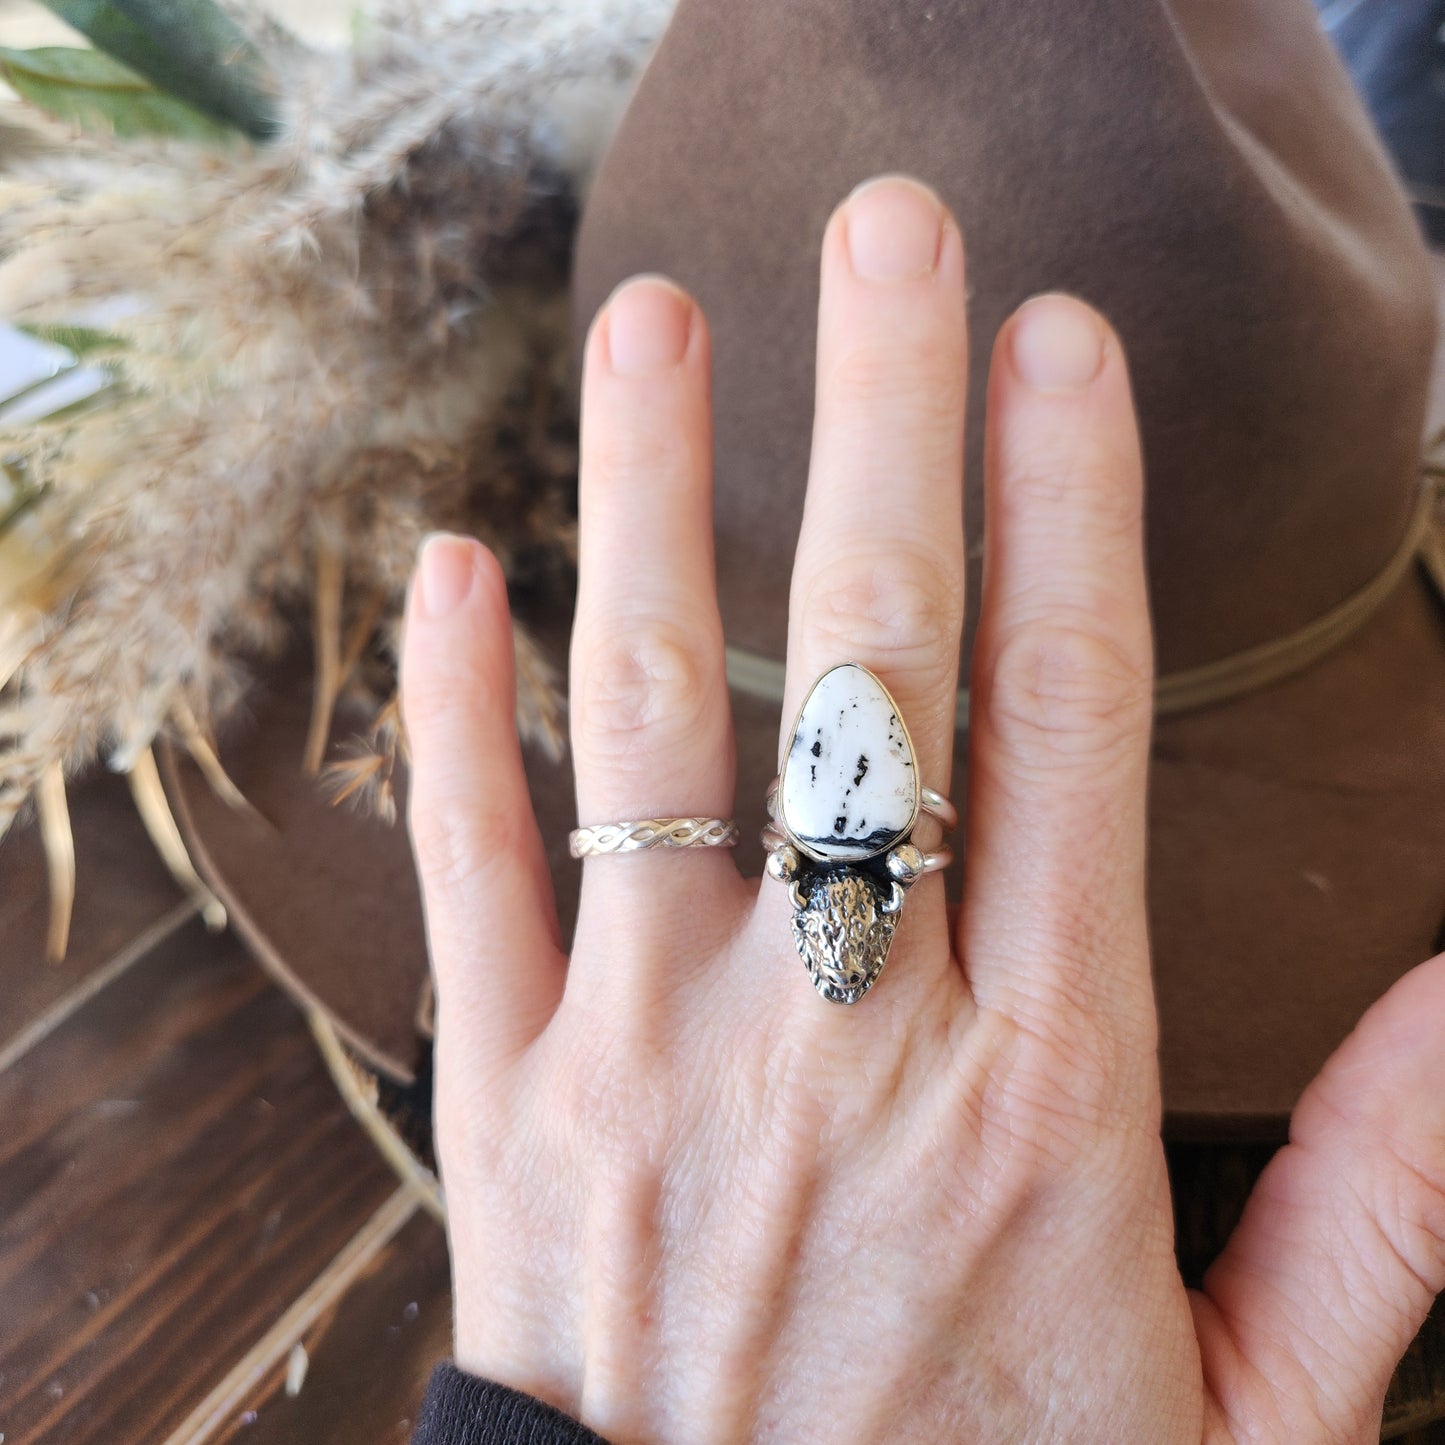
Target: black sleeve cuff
[[460, 1409]]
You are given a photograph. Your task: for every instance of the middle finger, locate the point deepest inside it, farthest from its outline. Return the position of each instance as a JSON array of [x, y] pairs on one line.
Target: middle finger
[[879, 572]]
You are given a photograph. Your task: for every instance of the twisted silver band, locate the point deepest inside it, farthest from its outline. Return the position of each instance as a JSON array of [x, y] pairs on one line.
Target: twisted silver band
[[632, 837]]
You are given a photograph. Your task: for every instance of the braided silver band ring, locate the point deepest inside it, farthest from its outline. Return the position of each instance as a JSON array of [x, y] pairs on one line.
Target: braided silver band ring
[[632, 837]]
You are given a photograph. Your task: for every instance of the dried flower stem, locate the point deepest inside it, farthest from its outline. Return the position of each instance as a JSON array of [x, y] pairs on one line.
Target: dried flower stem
[[59, 841], [326, 347], [360, 1093], [326, 632], [160, 822], [363, 630], [203, 753]]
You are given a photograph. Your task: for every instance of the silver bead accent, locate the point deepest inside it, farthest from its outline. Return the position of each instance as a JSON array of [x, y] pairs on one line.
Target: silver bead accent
[[783, 863], [905, 863]]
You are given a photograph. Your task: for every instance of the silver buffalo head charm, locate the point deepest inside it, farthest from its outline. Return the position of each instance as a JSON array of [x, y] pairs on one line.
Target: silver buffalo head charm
[[843, 927]]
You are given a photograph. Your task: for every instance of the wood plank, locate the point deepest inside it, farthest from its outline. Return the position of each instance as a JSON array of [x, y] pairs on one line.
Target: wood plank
[[367, 1360], [122, 890], [176, 1168]]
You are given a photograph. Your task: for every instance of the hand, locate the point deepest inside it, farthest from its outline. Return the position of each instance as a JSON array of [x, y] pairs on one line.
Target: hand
[[691, 1200]]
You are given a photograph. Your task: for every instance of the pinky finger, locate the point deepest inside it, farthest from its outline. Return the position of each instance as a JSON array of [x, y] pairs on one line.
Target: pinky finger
[[491, 920]]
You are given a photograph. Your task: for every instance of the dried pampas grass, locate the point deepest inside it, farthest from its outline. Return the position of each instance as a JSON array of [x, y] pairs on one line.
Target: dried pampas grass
[[325, 347]]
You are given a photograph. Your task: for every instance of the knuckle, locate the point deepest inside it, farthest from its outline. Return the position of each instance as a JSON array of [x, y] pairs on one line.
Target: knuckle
[[1411, 1213], [444, 698], [906, 607], [1082, 1065], [632, 451], [641, 689], [1431, 1217], [448, 841], [1060, 1096], [615, 1106], [1078, 477], [919, 374], [1067, 691]]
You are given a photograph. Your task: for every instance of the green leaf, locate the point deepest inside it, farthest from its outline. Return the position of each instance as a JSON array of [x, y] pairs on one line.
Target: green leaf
[[80, 341], [190, 49], [94, 91]]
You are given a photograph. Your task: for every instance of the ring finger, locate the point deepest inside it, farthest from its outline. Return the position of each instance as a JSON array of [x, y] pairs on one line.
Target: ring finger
[[651, 724], [879, 572]]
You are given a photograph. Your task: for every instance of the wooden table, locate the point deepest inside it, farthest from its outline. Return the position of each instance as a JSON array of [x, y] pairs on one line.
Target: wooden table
[[189, 1217]]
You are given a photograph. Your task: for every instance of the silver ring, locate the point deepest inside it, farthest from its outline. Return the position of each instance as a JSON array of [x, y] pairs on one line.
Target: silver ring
[[843, 811], [633, 836]]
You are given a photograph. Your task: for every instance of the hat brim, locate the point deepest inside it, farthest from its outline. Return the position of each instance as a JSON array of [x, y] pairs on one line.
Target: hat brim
[[1296, 865]]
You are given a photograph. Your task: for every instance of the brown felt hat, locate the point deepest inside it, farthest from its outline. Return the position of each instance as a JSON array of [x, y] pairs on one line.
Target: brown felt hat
[[1202, 172]]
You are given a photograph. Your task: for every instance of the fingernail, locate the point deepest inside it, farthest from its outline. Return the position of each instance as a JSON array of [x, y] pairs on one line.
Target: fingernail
[[648, 320], [446, 568], [1057, 343], [894, 226]]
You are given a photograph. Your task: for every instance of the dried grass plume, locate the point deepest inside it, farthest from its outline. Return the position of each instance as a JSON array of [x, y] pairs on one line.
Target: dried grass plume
[[326, 346]]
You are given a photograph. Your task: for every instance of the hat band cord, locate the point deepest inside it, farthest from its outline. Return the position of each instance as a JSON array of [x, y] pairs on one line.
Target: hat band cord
[[1240, 672]]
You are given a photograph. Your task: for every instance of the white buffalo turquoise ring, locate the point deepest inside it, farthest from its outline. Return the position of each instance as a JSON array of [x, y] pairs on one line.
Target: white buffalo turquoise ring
[[843, 810]]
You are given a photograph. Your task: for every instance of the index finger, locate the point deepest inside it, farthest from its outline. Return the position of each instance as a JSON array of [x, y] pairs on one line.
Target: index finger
[[1052, 928]]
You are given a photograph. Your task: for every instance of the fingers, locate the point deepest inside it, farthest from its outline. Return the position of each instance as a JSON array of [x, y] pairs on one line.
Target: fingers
[[651, 722], [491, 923], [1052, 927], [1341, 1250], [878, 577]]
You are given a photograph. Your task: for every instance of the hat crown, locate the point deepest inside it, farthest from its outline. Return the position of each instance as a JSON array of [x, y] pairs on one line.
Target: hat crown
[[1248, 240]]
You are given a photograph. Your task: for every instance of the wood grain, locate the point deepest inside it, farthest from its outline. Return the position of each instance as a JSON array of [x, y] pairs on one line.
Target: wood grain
[[368, 1360], [175, 1168], [121, 890]]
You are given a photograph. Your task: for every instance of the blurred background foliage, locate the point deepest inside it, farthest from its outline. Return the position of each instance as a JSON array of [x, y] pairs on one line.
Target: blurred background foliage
[[172, 67]]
